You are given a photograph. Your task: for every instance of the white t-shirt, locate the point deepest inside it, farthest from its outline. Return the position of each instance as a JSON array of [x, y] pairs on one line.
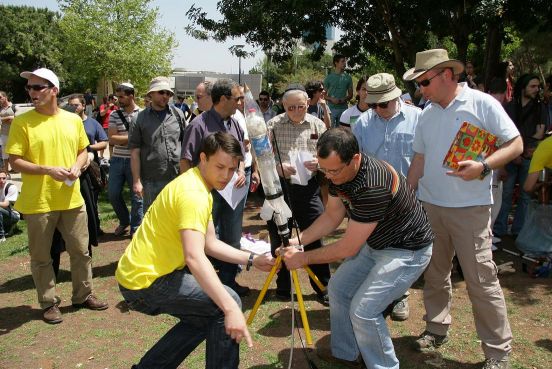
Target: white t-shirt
[[437, 128], [13, 192], [248, 158], [350, 116]]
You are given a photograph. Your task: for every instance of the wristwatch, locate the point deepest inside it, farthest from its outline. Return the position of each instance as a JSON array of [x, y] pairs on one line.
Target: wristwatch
[[249, 262], [486, 169]]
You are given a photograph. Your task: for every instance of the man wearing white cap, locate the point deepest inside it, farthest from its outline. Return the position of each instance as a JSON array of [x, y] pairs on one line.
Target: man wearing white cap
[[458, 203], [48, 146], [386, 131], [155, 143]]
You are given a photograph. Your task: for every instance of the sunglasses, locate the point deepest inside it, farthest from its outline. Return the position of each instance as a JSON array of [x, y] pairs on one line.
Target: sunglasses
[[236, 98], [296, 107], [426, 82], [382, 105], [165, 92], [37, 87]]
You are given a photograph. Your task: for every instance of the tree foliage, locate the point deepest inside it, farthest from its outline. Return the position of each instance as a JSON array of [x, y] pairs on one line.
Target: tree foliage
[[118, 40], [30, 39], [391, 31]]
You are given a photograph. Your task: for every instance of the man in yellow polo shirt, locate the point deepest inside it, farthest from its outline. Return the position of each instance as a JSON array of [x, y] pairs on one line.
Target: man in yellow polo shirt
[[165, 268], [542, 158], [48, 146]]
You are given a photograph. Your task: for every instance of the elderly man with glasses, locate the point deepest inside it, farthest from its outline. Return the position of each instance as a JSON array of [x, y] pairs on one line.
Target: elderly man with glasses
[[458, 203], [295, 133], [386, 131], [48, 146], [155, 143]]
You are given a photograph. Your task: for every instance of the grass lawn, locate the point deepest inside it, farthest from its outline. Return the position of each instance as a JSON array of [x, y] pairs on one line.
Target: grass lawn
[[117, 338]]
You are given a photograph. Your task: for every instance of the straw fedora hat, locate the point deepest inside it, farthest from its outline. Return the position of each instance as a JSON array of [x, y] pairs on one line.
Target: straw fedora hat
[[381, 88], [432, 59]]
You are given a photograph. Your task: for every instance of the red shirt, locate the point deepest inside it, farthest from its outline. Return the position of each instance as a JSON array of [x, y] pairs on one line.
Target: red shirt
[[105, 120]]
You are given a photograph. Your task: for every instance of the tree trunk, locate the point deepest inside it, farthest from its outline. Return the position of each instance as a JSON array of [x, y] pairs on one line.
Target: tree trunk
[[493, 45]]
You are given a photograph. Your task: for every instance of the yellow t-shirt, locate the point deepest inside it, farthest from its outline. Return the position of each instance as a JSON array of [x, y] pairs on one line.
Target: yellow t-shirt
[[542, 157], [53, 140], [156, 249]]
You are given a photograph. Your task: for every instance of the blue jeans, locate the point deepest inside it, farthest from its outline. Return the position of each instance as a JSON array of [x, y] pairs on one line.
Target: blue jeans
[[360, 290], [336, 116], [119, 173], [151, 190], [228, 226], [178, 294], [8, 219], [516, 174]]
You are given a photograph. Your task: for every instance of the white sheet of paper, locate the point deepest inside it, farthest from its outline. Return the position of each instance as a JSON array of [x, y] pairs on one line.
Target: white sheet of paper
[[233, 195], [69, 182], [302, 174]]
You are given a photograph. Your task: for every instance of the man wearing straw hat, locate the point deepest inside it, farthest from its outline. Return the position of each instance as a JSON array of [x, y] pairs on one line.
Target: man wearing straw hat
[[386, 131], [458, 203]]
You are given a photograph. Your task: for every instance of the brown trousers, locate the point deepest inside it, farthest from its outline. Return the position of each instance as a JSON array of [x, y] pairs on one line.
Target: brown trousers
[[73, 226], [466, 232]]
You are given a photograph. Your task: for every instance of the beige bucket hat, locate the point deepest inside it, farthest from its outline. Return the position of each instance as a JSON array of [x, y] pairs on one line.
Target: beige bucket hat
[[432, 59], [381, 88], [160, 84]]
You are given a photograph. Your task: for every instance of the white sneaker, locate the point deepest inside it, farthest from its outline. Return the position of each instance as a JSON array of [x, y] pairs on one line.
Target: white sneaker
[[496, 239]]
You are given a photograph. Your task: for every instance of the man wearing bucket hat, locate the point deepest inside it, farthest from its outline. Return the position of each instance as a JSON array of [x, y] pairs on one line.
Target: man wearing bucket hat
[[155, 143], [458, 203], [48, 146], [386, 131]]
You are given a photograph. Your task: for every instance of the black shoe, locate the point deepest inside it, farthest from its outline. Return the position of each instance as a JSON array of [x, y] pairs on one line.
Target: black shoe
[[282, 295], [241, 290], [430, 341], [324, 299]]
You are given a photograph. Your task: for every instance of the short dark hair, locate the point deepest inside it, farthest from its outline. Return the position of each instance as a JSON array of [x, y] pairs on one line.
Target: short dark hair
[[264, 93], [340, 140], [112, 97], [361, 82], [221, 141], [222, 87], [125, 89], [337, 57], [77, 96], [312, 86], [497, 86]]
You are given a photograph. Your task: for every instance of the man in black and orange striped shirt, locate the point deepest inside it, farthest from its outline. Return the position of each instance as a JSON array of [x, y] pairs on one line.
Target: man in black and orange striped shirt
[[386, 247]]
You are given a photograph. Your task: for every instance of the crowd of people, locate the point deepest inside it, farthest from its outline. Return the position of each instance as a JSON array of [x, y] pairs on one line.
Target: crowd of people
[[378, 162]]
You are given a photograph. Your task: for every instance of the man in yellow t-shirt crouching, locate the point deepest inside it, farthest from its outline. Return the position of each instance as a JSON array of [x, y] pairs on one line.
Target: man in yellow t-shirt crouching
[[165, 268]]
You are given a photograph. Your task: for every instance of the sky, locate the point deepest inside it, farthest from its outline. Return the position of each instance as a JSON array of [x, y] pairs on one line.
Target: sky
[[191, 54]]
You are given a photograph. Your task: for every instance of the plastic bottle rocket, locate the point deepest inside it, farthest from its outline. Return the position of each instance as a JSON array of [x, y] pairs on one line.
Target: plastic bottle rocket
[[274, 207]]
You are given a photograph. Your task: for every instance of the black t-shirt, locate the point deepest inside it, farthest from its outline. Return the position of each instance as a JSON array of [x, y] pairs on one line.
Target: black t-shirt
[[378, 194]]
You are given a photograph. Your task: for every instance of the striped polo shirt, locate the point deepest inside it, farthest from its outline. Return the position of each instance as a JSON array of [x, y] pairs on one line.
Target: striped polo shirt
[[378, 194]]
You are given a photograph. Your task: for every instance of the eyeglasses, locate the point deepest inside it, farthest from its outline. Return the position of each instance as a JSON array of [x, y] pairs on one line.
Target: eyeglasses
[[382, 105], [165, 92], [426, 82], [334, 172], [296, 107], [37, 87]]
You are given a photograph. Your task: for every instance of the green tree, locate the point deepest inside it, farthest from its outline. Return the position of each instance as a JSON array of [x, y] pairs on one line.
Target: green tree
[[117, 40], [30, 39]]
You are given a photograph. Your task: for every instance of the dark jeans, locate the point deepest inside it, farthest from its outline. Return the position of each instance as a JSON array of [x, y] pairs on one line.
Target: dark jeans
[[178, 294], [228, 226], [306, 206], [8, 219]]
